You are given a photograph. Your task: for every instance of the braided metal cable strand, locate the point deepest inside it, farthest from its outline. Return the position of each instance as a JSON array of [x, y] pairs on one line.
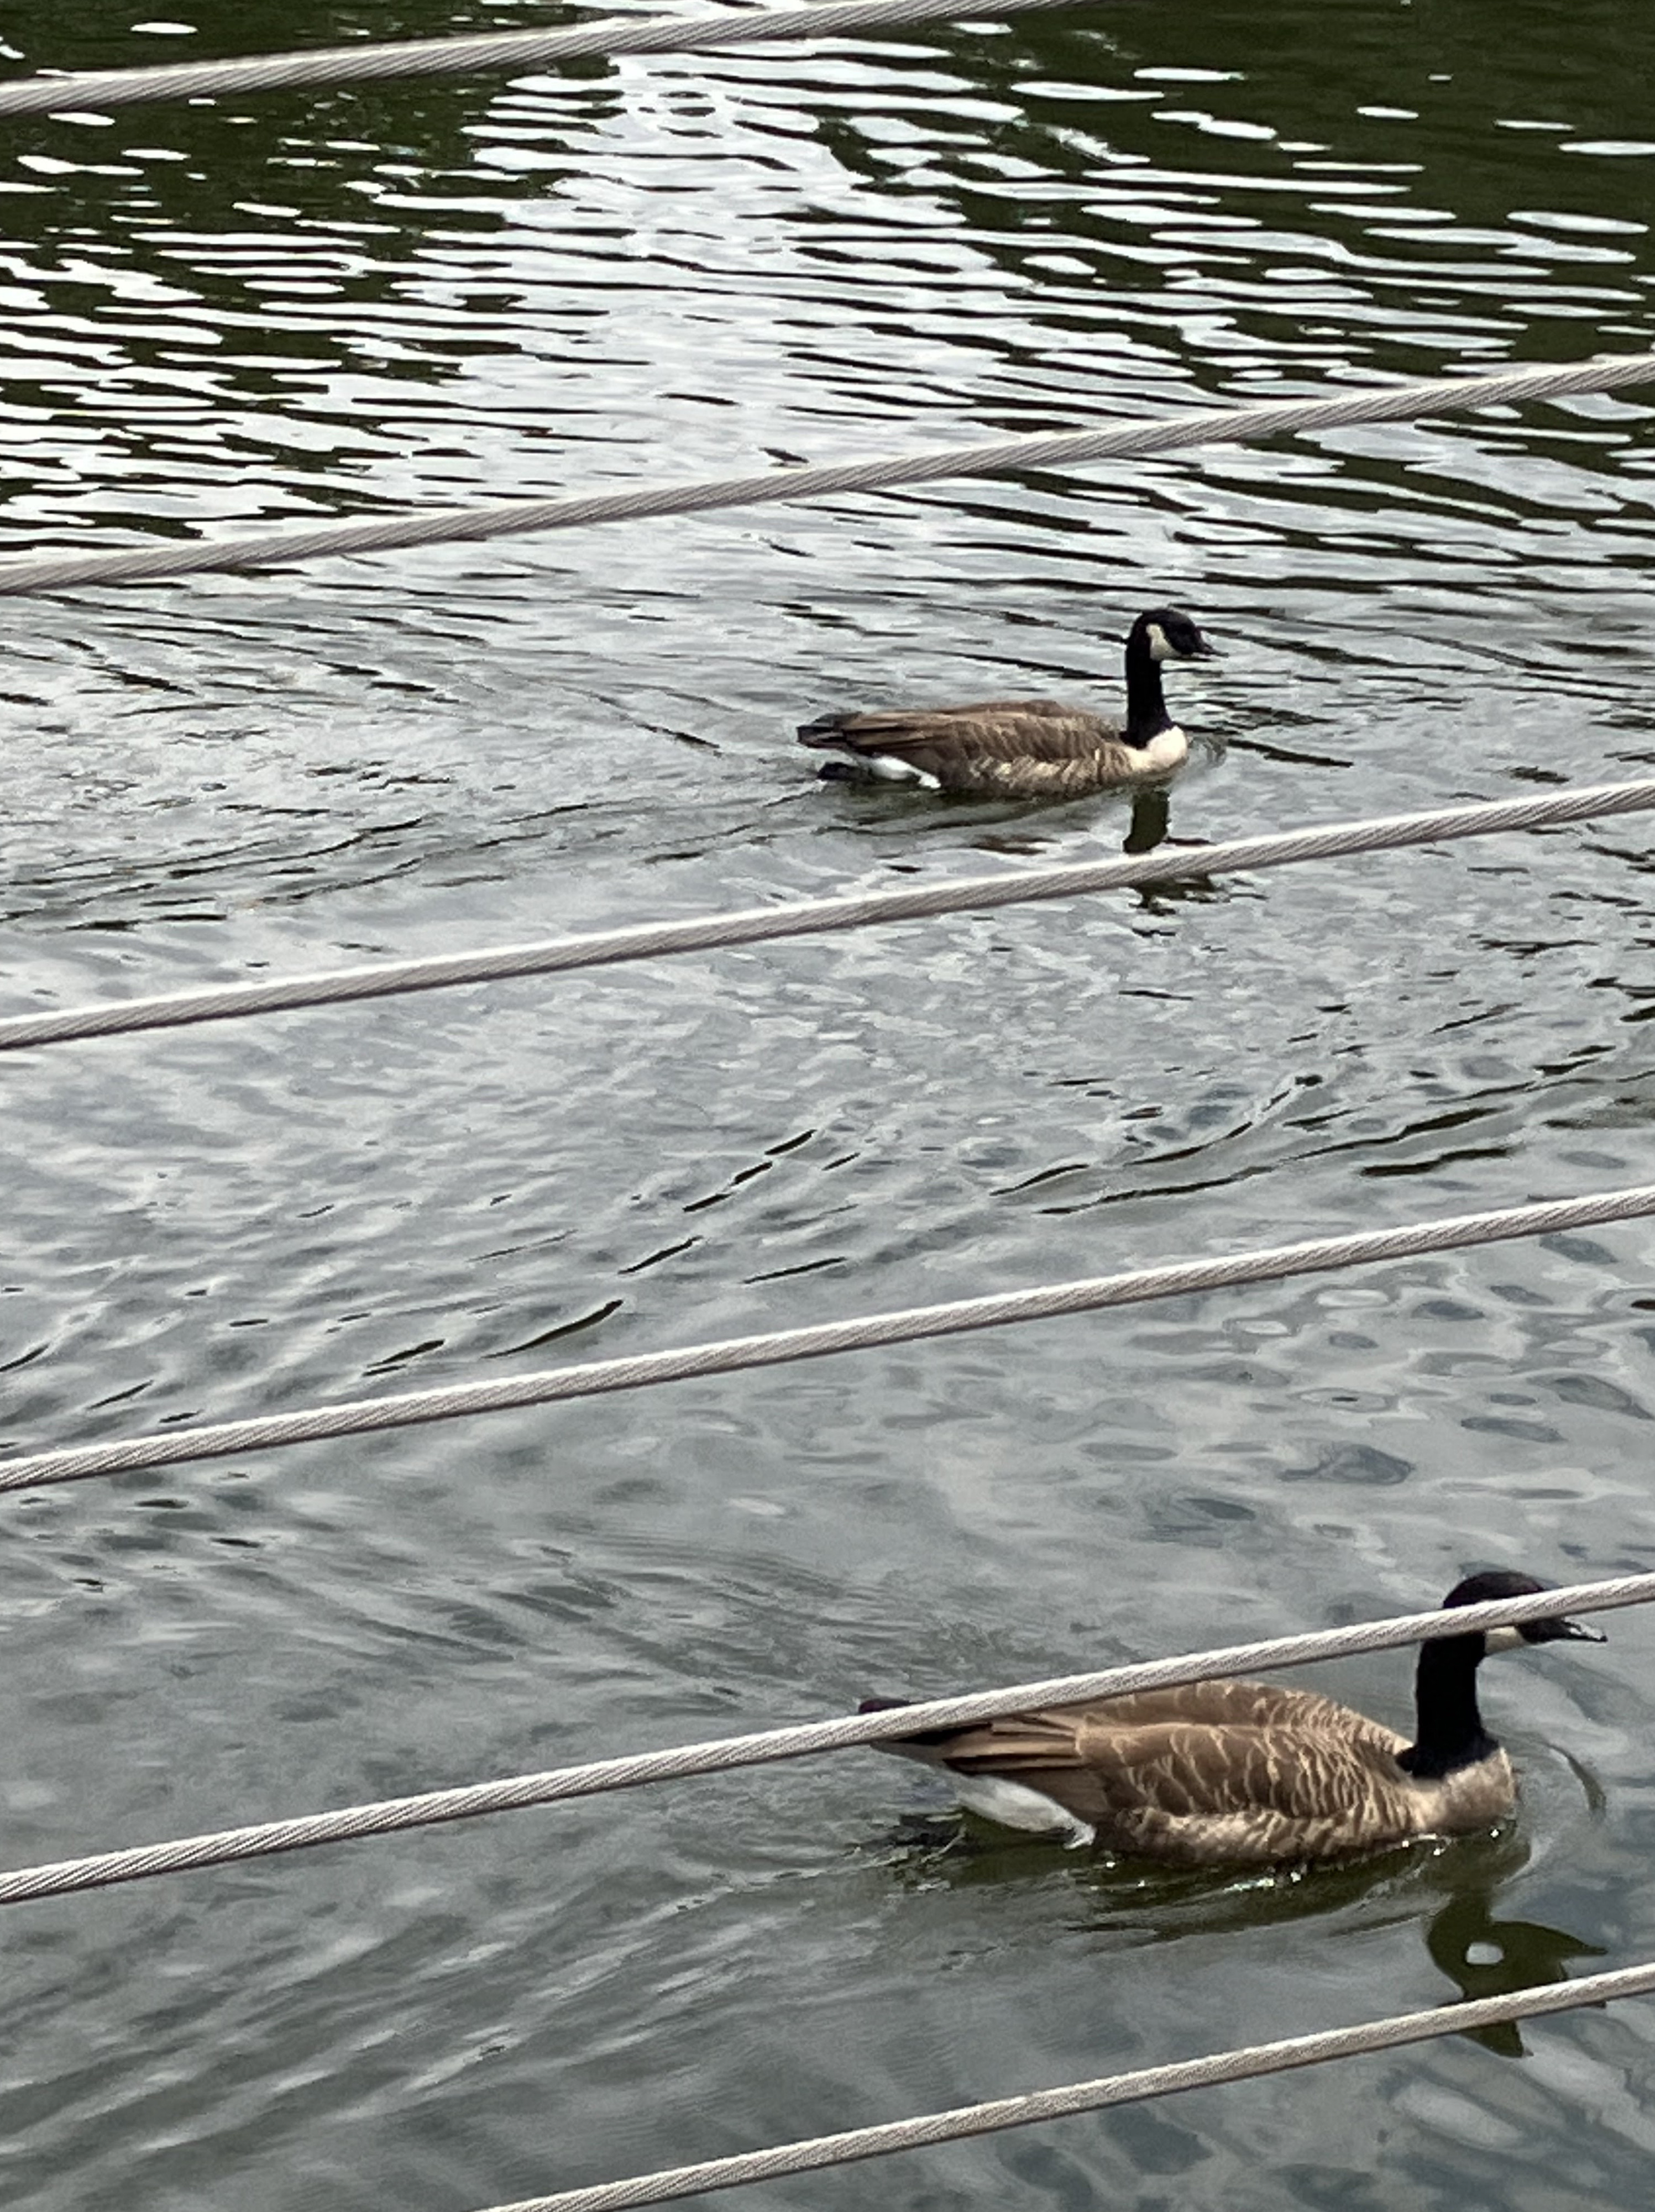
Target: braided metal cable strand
[[818, 917], [1067, 449], [862, 1333], [766, 1746], [1000, 2113], [487, 54]]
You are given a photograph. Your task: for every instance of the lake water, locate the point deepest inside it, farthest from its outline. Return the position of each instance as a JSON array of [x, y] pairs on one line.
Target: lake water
[[319, 304]]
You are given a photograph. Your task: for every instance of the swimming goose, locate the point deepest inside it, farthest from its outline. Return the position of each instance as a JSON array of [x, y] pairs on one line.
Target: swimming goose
[[1026, 748], [1230, 1773]]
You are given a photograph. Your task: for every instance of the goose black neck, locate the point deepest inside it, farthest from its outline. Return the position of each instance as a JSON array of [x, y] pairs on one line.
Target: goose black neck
[[1450, 1728], [1146, 702]]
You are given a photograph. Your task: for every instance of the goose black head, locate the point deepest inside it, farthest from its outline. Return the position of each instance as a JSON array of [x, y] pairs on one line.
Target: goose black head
[[1483, 1589], [1168, 634]]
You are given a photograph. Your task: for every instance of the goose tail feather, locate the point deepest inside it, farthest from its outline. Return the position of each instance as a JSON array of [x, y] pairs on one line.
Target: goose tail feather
[[913, 1746], [825, 730]]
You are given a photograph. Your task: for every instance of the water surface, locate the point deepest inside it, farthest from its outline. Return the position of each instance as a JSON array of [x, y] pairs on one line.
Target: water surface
[[345, 303]]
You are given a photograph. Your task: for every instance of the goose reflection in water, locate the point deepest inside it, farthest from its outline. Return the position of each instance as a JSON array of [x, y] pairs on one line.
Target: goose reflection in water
[[1484, 1957], [1480, 1952]]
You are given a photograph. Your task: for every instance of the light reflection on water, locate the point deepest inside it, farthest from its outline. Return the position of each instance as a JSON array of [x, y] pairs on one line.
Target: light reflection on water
[[438, 293]]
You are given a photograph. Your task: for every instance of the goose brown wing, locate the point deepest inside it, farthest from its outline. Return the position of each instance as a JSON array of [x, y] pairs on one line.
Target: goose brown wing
[[1040, 710], [1006, 1746], [1290, 1776], [993, 729], [1185, 1771], [1079, 1736], [1248, 1704]]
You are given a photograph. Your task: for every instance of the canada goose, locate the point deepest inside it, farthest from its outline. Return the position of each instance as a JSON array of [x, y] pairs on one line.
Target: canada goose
[[1247, 1773], [1026, 748]]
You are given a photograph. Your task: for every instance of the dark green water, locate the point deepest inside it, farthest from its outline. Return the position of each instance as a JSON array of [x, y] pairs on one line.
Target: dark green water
[[308, 306]]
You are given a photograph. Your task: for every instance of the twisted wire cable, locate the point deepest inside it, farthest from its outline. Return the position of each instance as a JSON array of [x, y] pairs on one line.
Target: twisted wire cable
[[174, 1447], [817, 917], [485, 54], [766, 1746], [1066, 449], [1246, 2064]]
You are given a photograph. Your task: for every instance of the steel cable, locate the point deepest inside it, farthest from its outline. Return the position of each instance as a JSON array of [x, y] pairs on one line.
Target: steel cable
[[488, 53], [174, 1447], [816, 917], [1249, 2064], [766, 1746], [1066, 449]]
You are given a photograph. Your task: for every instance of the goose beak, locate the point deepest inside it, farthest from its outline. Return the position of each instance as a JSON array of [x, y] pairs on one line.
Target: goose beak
[[1576, 1631], [1206, 650]]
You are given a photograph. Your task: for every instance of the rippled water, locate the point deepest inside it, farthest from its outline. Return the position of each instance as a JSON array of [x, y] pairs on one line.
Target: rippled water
[[316, 305]]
